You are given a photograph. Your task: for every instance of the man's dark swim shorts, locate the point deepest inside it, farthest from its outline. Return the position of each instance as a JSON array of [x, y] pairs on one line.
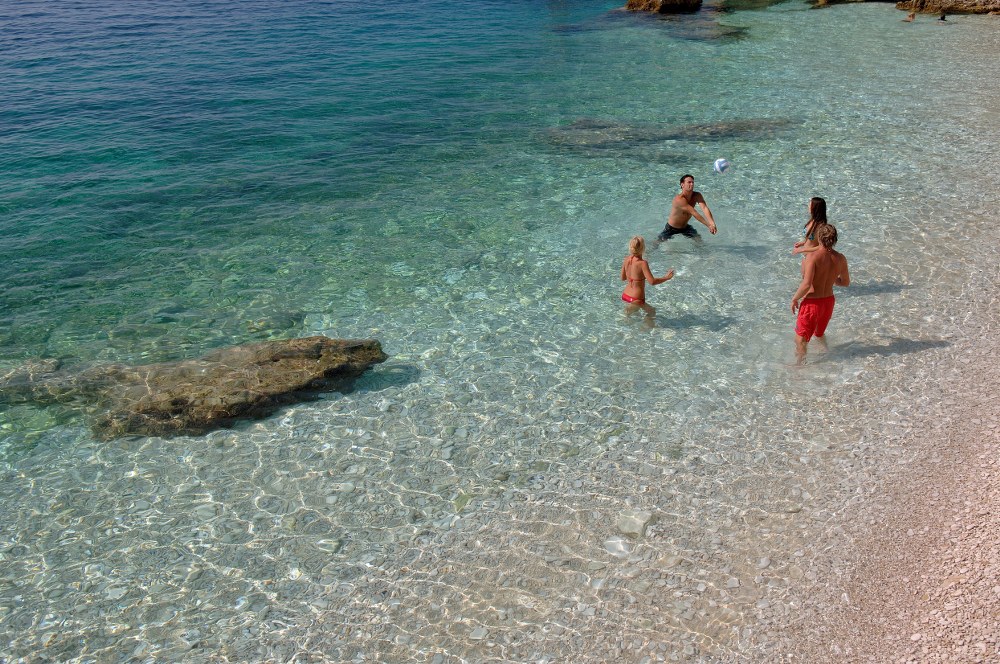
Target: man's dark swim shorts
[[670, 231]]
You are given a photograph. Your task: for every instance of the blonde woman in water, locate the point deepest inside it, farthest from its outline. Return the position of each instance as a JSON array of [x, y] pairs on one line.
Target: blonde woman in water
[[635, 270]]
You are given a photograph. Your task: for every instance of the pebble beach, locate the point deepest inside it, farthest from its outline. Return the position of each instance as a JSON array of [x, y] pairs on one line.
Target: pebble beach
[[915, 576]]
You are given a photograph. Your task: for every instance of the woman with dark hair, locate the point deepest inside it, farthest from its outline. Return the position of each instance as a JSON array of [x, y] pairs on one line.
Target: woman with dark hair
[[817, 217]]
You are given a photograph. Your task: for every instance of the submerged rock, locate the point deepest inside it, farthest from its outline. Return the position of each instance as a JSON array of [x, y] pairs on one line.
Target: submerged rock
[[195, 396], [663, 6], [601, 136], [633, 522]]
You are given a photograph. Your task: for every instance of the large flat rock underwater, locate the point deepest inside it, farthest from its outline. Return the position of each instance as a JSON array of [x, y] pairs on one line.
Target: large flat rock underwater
[[599, 137], [663, 6], [693, 6], [195, 396]]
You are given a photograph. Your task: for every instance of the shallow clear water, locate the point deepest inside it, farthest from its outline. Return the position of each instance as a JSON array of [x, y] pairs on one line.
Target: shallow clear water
[[461, 183]]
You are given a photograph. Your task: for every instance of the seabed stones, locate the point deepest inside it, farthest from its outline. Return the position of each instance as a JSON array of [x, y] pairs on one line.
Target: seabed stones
[[617, 546], [633, 522]]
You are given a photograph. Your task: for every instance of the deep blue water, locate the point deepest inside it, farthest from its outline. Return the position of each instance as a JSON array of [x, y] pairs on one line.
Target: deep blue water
[[144, 144]]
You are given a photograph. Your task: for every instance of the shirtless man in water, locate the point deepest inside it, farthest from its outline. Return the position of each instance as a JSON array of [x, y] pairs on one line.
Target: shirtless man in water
[[821, 271], [682, 210]]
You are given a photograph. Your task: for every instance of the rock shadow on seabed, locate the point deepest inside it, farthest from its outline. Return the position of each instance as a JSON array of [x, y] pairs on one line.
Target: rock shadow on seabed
[[895, 346], [873, 288]]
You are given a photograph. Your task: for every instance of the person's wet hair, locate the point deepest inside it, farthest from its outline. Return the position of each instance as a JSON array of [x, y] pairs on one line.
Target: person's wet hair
[[685, 177], [817, 210], [826, 235], [637, 246]]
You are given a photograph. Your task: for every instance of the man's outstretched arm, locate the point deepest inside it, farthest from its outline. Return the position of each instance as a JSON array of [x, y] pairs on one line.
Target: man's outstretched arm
[[709, 220]]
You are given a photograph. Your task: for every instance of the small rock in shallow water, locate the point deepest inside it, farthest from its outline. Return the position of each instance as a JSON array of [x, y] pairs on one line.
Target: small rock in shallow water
[[633, 522], [616, 546]]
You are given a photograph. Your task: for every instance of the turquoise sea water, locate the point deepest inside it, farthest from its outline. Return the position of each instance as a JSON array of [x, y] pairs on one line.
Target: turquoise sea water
[[460, 182]]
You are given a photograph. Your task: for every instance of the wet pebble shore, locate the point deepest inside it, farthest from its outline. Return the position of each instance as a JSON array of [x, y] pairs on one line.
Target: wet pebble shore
[[916, 577]]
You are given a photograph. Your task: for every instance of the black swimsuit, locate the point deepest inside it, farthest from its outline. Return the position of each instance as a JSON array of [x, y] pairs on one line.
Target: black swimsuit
[[670, 231]]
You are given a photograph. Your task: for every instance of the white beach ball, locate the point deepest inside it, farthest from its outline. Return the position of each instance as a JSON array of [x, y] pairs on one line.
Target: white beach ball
[[721, 165]]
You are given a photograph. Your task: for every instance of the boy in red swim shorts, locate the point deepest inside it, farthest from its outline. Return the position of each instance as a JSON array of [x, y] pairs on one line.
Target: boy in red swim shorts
[[814, 316], [821, 271]]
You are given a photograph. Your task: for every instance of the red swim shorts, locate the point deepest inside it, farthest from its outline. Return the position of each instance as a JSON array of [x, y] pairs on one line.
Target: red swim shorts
[[814, 316]]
